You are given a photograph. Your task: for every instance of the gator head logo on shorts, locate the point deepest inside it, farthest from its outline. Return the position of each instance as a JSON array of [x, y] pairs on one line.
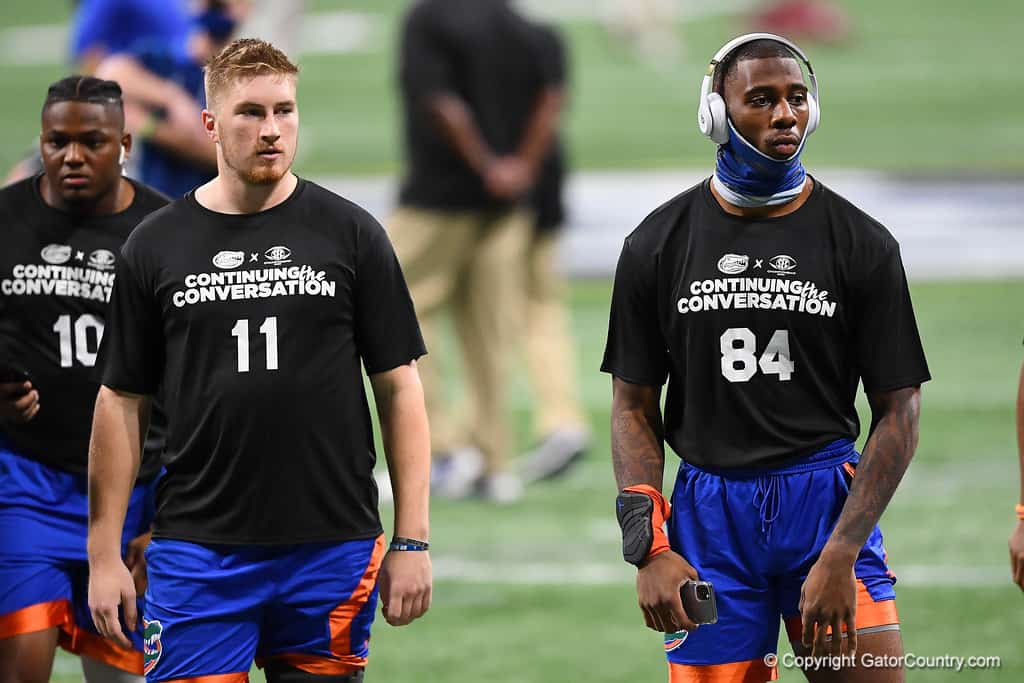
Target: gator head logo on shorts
[[674, 640], [152, 648]]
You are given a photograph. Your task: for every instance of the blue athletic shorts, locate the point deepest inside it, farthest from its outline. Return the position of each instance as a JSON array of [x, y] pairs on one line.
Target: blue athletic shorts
[[212, 609], [44, 569], [755, 535]]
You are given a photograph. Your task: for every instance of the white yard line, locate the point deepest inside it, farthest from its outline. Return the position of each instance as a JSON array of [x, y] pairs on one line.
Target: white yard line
[[461, 570], [322, 33]]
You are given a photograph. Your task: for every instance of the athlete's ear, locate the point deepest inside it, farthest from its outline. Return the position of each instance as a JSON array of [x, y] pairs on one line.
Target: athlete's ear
[[126, 144], [210, 124]]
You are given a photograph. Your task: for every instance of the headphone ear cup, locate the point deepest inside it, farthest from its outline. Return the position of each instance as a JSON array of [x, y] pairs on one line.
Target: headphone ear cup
[[704, 122], [813, 115], [719, 128]]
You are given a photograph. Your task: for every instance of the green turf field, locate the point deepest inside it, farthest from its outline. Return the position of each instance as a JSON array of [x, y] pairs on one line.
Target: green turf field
[[541, 595], [925, 85]]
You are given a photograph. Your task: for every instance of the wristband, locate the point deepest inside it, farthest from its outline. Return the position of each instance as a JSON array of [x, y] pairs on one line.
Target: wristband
[[1020, 512], [642, 511], [402, 543]]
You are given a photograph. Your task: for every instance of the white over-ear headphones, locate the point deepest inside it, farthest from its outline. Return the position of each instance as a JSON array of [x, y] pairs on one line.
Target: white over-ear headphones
[[712, 118]]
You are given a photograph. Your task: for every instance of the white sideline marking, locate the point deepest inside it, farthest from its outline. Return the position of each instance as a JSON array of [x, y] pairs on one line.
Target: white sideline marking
[[336, 33], [589, 9], [33, 45], [461, 570], [322, 33]]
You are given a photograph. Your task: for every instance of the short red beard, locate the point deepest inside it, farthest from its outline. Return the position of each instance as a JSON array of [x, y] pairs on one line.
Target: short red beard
[[263, 176]]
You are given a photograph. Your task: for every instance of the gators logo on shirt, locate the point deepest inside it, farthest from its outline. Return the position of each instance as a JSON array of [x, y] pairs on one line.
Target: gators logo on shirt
[[674, 640], [152, 648]]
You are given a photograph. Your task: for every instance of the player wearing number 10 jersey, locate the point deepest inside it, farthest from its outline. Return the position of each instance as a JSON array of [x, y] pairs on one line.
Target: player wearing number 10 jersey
[[255, 301], [60, 236], [763, 298]]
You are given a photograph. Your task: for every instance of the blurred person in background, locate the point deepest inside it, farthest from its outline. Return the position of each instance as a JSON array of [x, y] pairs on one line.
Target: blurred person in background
[[63, 231], [480, 113], [559, 424], [1017, 538], [819, 21], [764, 298], [164, 99], [101, 28]]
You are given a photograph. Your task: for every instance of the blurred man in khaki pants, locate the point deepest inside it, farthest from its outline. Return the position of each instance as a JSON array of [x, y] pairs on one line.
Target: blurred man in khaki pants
[[480, 111], [560, 427]]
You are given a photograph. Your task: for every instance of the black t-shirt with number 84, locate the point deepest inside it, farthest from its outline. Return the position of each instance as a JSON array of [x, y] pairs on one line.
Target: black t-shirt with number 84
[[762, 327]]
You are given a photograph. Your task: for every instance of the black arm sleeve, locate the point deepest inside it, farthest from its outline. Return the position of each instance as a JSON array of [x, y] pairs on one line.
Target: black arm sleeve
[[132, 351], [424, 63], [387, 332], [889, 351], [636, 350]]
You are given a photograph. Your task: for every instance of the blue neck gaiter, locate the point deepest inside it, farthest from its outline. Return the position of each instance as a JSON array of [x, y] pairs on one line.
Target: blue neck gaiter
[[747, 177]]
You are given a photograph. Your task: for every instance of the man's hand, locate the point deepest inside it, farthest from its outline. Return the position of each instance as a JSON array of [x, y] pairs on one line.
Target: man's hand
[[1017, 554], [110, 586], [19, 402], [657, 588], [508, 177], [135, 560], [405, 586], [829, 598]]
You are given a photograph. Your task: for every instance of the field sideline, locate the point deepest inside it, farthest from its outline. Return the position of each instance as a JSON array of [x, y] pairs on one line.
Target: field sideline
[[535, 592], [923, 86]]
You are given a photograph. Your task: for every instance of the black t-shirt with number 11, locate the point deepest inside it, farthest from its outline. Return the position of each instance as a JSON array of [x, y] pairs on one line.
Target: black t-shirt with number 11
[[763, 327], [256, 325]]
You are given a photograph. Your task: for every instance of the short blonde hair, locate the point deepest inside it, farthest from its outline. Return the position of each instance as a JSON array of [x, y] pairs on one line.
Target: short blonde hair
[[242, 59]]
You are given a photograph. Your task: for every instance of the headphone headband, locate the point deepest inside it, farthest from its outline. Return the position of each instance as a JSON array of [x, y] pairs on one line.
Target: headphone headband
[[729, 47], [712, 123]]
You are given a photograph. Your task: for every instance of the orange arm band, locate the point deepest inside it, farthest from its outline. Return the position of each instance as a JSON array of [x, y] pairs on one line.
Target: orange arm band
[[662, 510]]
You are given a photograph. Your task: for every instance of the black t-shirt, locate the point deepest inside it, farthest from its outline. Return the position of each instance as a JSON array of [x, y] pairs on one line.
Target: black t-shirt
[[56, 273], [255, 325], [489, 56], [763, 327], [546, 199]]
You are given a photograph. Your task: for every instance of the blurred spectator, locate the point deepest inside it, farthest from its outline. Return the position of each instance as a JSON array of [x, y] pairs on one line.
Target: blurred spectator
[[805, 20], [105, 27], [559, 424], [480, 112], [164, 97]]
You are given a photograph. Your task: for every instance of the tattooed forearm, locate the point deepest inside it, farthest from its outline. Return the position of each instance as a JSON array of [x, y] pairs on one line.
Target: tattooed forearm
[[890, 447], [638, 452]]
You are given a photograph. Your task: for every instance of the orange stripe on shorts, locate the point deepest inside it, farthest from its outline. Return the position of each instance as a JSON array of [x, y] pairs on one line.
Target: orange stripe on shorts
[[341, 628], [754, 671], [869, 614], [35, 618]]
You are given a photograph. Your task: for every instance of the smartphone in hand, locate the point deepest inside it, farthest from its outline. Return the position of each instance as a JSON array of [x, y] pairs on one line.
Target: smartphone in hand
[[699, 601]]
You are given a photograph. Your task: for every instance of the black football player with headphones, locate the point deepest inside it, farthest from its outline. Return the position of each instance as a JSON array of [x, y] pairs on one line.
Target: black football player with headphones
[[763, 299]]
